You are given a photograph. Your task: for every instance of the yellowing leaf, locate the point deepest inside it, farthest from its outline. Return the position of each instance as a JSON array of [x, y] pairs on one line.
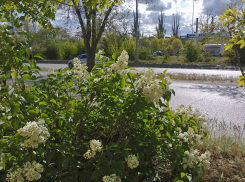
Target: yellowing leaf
[[229, 46], [242, 45], [241, 81], [240, 42]]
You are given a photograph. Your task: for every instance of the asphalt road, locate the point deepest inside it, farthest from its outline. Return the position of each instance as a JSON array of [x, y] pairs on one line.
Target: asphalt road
[[221, 73], [222, 101]]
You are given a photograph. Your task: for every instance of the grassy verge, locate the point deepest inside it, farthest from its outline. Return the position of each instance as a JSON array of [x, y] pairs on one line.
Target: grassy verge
[[227, 146], [181, 60], [200, 77]]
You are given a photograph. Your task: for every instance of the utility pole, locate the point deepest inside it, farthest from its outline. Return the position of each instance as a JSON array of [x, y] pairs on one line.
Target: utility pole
[[192, 16], [137, 32]]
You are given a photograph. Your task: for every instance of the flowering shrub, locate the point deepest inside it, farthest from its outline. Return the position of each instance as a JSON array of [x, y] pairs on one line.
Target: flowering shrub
[[106, 125]]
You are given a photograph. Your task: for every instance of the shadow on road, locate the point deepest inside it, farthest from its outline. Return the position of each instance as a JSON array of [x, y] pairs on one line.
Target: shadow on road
[[231, 92]]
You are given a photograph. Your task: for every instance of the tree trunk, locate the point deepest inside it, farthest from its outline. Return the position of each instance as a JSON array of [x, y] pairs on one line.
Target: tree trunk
[[239, 60], [90, 58]]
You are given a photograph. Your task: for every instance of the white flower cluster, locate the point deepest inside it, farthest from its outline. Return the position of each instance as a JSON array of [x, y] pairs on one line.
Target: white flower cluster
[[168, 82], [122, 62], [37, 133], [151, 88], [15, 176], [51, 70], [147, 78], [193, 114], [105, 76], [95, 146], [80, 70], [127, 90], [111, 178], [190, 136], [153, 92], [31, 171], [132, 161], [193, 158]]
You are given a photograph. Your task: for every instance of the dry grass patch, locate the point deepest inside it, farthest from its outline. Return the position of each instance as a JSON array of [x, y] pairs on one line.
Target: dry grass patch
[[227, 146]]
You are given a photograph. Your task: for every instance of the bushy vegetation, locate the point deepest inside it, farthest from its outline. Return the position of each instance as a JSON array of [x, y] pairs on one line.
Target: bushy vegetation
[[104, 125], [191, 53]]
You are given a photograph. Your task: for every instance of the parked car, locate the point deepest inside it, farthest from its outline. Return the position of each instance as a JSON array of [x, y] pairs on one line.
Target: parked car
[[83, 59], [159, 53]]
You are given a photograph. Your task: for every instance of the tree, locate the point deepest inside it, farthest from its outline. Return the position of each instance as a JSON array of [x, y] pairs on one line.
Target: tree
[[208, 22], [160, 29], [176, 44], [175, 25], [86, 10], [133, 29], [236, 20]]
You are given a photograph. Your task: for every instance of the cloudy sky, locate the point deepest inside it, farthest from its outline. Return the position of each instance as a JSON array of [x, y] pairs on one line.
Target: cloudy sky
[[149, 12]]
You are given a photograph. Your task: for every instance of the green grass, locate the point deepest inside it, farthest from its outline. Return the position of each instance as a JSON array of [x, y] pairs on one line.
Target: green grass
[[181, 60]]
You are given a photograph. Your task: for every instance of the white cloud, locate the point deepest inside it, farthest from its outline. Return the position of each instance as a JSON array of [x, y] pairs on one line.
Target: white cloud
[[149, 11]]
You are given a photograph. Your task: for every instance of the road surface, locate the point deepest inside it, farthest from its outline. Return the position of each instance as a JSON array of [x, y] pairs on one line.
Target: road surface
[[221, 73], [222, 101]]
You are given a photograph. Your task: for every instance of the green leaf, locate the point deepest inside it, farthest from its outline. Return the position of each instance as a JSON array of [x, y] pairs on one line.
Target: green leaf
[[27, 97], [26, 77], [130, 75], [44, 115], [114, 56], [20, 116], [49, 156], [168, 135], [195, 129], [15, 109], [133, 69], [75, 153], [57, 131], [95, 175], [165, 71], [26, 68], [52, 100], [2, 77], [125, 143], [37, 56], [112, 144], [123, 82], [182, 175], [65, 163], [15, 74], [43, 103]]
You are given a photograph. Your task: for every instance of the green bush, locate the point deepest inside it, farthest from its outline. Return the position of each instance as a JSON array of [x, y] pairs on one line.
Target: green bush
[[144, 53], [109, 124], [52, 50], [69, 50], [81, 49], [208, 57], [191, 53], [166, 57], [230, 56]]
